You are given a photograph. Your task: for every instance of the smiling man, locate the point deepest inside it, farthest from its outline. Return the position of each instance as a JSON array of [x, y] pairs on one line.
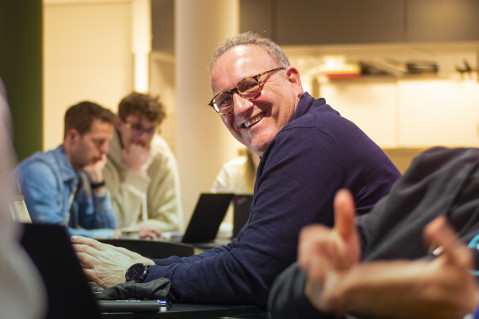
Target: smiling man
[[308, 152], [65, 185], [141, 172]]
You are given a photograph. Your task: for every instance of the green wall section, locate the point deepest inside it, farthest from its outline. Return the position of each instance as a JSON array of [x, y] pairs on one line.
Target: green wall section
[[21, 58]]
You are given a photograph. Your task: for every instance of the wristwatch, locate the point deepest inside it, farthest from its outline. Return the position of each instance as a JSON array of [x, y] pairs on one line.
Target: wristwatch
[[137, 273]]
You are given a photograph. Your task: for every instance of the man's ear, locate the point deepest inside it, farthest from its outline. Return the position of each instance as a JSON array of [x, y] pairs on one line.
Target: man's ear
[[72, 136], [292, 75]]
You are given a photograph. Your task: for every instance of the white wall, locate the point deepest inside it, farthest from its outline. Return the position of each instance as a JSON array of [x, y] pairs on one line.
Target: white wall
[[87, 56], [402, 111], [410, 113]]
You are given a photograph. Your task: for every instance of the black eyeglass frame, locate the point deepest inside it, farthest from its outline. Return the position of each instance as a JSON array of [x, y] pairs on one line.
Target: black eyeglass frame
[[138, 129], [235, 89]]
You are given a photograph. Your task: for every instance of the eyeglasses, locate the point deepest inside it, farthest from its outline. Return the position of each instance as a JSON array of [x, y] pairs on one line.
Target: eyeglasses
[[139, 129], [249, 88]]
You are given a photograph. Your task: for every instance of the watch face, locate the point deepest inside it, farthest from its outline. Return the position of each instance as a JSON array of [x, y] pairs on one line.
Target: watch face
[[136, 272]]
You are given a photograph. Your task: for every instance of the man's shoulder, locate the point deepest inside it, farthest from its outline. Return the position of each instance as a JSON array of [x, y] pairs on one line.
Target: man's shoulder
[[160, 148], [45, 163], [443, 158], [40, 158], [319, 114], [449, 153]]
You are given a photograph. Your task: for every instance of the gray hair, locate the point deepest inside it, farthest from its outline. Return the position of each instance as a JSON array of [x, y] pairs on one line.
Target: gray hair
[[252, 38]]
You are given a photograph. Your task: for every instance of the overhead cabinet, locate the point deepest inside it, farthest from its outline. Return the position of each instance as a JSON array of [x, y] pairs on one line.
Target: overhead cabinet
[[441, 20], [315, 22], [330, 22]]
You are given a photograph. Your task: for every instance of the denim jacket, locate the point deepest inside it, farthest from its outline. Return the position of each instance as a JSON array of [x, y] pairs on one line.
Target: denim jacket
[[54, 194]]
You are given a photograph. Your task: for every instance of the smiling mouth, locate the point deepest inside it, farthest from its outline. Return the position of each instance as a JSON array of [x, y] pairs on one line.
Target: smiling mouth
[[253, 121]]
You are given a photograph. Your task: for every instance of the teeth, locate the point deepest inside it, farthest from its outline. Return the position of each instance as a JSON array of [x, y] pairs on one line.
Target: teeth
[[253, 121]]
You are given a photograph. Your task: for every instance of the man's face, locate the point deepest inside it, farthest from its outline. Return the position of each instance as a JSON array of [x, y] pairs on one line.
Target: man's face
[[136, 130], [92, 146], [256, 122]]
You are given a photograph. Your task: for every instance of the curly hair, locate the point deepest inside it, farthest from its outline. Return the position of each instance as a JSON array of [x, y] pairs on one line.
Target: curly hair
[[142, 105]]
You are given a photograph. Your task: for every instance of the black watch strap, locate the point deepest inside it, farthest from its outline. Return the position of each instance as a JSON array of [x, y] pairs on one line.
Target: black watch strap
[[97, 185], [137, 273]]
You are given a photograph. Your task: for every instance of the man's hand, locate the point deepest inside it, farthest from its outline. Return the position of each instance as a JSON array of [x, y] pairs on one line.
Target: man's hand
[[105, 264], [137, 158], [323, 250], [94, 171], [443, 288], [148, 231]]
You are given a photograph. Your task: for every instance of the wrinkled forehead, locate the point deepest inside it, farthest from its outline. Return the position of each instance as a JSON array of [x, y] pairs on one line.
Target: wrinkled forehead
[[237, 63], [99, 127]]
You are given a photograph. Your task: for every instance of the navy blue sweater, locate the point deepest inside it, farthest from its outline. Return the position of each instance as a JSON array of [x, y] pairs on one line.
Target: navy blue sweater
[[317, 153]]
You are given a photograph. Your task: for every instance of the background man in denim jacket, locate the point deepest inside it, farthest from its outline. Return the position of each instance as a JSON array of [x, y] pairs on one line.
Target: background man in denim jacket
[[65, 185]]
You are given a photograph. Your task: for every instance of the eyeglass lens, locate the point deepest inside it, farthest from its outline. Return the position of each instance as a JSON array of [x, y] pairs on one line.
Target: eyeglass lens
[[138, 129], [248, 88]]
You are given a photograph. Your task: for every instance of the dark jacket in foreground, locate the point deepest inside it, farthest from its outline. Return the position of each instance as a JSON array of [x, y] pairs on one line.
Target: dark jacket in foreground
[[439, 181], [312, 157]]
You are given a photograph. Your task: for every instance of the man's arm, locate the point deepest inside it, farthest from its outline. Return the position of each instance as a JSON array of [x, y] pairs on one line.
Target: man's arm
[[287, 197], [244, 272], [96, 216], [95, 210], [42, 192], [48, 199], [162, 186], [115, 260], [126, 196], [164, 200]]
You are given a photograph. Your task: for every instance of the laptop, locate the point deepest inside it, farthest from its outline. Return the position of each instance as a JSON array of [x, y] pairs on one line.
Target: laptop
[[241, 210], [209, 212], [69, 292]]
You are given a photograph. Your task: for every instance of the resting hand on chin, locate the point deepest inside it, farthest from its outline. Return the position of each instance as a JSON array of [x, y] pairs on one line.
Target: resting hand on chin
[[137, 158], [105, 264], [94, 170]]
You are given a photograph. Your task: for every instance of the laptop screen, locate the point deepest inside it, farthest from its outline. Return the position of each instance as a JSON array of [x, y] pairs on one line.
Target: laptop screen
[[206, 219], [69, 293]]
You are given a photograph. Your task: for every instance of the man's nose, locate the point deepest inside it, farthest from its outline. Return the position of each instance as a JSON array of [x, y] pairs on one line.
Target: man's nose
[[104, 148], [144, 137], [240, 104]]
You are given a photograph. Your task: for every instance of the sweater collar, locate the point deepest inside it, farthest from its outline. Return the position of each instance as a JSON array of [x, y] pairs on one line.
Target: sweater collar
[[115, 150], [306, 103]]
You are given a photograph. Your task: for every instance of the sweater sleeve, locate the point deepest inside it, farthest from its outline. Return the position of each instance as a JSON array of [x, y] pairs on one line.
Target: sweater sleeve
[[299, 174], [159, 190], [44, 199], [287, 299], [163, 197], [42, 193], [127, 195], [287, 197]]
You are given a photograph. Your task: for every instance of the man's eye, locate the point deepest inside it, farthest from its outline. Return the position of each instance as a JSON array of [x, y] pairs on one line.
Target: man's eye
[[249, 86], [225, 101]]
